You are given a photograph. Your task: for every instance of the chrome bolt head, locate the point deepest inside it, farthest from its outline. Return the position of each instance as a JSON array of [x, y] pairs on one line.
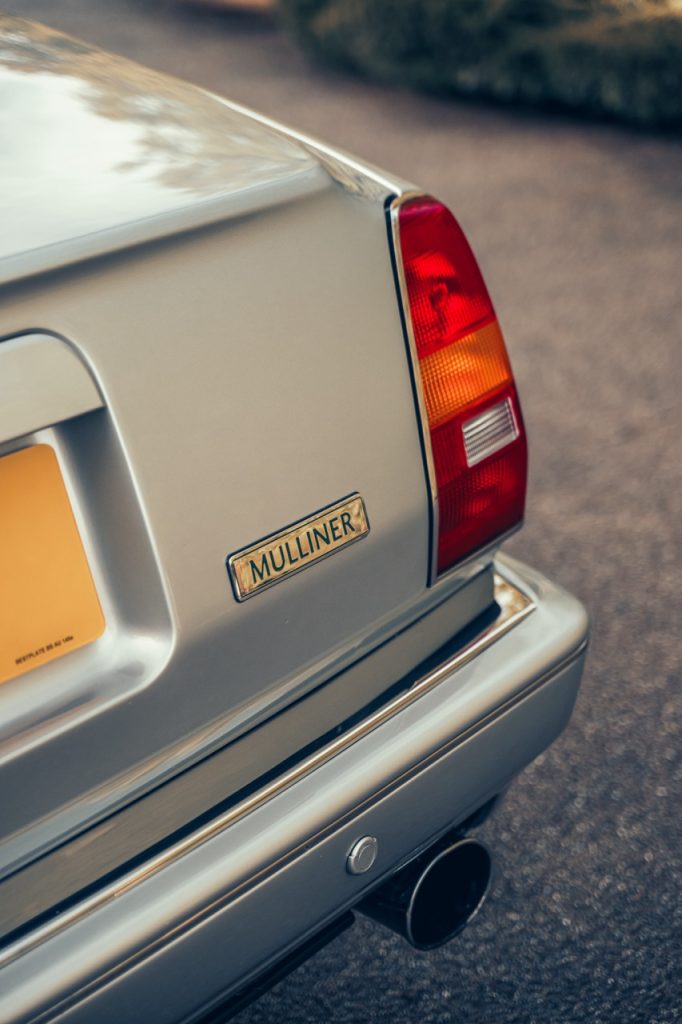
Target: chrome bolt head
[[362, 856]]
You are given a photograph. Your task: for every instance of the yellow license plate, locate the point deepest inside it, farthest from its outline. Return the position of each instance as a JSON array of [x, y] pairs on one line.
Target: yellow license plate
[[48, 602]]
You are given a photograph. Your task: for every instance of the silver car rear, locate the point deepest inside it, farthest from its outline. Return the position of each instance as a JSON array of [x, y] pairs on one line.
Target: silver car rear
[[202, 320]]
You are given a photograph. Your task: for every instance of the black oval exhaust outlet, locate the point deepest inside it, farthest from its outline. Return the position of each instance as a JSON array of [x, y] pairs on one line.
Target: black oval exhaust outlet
[[435, 896]]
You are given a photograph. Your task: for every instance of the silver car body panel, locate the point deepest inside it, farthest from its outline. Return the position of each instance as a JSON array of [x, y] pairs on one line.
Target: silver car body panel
[[100, 154], [200, 445], [42, 382], [202, 350], [411, 777]]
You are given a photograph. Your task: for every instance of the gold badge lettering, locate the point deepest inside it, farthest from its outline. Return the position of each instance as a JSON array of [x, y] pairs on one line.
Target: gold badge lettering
[[289, 551]]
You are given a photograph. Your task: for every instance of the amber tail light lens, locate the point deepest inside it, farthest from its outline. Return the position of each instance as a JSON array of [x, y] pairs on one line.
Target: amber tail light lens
[[470, 410]]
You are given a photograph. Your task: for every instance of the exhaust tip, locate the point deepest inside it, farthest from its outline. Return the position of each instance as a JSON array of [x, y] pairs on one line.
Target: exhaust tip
[[434, 897], [448, 894]]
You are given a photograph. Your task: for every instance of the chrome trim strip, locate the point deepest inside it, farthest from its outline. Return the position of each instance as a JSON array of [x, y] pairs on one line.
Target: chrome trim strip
[[394, 212], [514, 604]]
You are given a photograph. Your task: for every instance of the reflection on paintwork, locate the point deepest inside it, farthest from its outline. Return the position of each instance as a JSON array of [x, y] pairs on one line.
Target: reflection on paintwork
[[105, 142]]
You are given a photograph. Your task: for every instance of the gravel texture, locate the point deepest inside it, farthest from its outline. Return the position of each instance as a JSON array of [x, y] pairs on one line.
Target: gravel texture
[[578, 230]]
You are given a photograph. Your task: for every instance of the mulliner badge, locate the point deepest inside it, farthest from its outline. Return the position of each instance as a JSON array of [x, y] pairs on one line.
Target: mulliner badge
[[295, 548]]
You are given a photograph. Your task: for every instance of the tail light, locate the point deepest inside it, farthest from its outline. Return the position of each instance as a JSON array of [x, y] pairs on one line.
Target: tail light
[[471, 418]]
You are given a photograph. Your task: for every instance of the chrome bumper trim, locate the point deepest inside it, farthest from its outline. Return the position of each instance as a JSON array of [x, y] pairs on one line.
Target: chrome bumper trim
[[514, 605]]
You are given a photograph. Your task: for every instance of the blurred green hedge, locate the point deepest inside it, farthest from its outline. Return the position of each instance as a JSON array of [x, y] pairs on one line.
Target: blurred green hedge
[[620, 58]]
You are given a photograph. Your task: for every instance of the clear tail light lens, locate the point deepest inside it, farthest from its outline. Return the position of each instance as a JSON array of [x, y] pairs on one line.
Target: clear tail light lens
[[470, 410]]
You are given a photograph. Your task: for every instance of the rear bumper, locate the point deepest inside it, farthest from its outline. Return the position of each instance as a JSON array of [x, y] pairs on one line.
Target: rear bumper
[[207, 914]]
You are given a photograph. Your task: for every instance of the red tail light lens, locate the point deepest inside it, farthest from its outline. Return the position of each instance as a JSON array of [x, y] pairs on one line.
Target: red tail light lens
[[473, 422]]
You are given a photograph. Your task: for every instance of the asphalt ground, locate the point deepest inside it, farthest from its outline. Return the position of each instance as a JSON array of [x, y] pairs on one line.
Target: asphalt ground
[[578, 229]]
